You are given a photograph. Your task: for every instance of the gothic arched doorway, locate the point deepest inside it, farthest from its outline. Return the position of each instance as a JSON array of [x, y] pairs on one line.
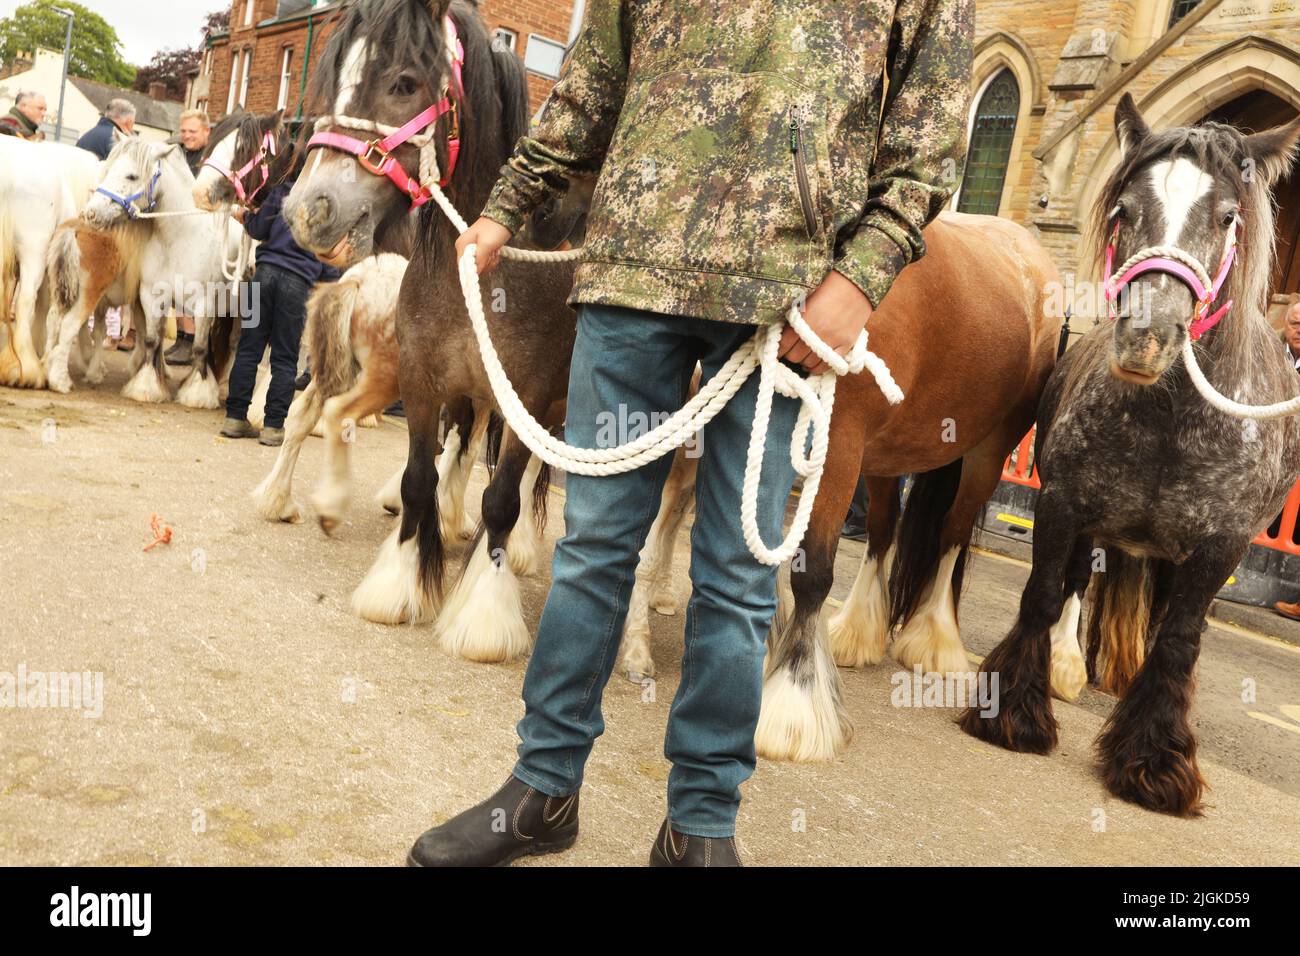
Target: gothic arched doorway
[[1252, 112]]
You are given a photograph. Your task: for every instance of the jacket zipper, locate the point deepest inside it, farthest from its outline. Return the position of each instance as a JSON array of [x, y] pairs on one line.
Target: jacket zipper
[[801, 174]]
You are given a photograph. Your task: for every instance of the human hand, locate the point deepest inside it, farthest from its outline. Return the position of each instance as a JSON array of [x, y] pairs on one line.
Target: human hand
[[837, 311], [489, 236]]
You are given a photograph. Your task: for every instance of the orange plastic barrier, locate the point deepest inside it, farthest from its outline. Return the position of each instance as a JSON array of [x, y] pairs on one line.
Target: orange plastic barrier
[[1019, 469]]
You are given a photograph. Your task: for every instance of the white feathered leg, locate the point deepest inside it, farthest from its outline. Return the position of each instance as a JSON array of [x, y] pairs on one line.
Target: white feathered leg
[[483, 620], [1069, 673], [860, 630], [930, 637]]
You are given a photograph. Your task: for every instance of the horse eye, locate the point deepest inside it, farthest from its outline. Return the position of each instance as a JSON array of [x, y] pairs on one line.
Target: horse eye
[[1228, 219], [132, 178], [404, 86]]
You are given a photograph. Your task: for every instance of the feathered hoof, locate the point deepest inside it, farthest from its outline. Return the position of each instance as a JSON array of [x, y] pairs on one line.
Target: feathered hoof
[[275, 504], [1068, 676], [199, 391], [663, 600], [1014, 725], [857, 639], [484, 619], [931, 643], [24, 375], [637, 663], [145, 387], [801, 723], [391, 592]]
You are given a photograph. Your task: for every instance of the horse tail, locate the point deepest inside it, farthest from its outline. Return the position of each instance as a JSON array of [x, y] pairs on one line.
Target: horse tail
[[496, 429], [329, 323], [541, 487], [512, 86], [917, 557], [63, 270], [1121, 614]]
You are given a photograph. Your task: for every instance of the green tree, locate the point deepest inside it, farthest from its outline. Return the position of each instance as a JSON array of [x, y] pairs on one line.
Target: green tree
[[96, 50]]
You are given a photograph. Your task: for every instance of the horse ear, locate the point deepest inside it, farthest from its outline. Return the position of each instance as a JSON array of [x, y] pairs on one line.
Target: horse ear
[[1129, 127], [1274, 150]]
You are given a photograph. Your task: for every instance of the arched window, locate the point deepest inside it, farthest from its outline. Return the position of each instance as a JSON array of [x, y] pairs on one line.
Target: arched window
[[990, 146], [1180, 9]]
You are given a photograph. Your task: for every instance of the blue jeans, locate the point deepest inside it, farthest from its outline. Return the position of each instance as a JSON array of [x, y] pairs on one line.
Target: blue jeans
[[625, 362]]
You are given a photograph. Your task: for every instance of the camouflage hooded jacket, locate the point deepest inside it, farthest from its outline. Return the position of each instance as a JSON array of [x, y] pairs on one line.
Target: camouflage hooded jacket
[[745, 148]]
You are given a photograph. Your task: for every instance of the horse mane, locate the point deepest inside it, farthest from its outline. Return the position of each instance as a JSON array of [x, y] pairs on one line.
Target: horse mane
[[1243, 337]]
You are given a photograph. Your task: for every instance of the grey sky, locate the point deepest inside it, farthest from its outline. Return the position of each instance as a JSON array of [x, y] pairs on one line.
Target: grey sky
[[146, 26]]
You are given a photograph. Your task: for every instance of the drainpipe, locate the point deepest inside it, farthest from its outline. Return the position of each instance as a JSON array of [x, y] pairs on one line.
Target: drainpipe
[[575, 21], [306, 60]]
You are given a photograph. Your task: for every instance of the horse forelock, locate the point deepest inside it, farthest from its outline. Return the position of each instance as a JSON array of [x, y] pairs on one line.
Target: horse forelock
[[1176, 167]]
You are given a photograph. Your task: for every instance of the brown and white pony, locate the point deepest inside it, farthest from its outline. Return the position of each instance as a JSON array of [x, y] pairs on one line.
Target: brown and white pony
[[970, 335], [1143, 481], [385, 63]]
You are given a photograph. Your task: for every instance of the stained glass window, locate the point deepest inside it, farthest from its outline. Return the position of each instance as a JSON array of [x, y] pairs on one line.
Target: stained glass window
[[990, 146]]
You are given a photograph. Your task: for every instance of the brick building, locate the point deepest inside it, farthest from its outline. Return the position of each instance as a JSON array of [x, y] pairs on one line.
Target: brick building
[[273, 44]]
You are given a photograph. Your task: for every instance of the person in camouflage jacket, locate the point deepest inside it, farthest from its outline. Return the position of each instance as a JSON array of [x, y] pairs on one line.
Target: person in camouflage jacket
[[749, 154]]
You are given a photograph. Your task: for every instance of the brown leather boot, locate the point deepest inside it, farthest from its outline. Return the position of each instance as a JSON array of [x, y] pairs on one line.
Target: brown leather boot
[[679, 849], [517, 820]]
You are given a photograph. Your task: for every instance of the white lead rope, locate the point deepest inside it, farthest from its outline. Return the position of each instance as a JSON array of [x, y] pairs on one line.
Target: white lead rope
[[1227, 405], [817, 396]]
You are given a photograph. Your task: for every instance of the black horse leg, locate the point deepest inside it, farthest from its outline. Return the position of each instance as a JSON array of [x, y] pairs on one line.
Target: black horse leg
[[1021, 717], [1148, 748]]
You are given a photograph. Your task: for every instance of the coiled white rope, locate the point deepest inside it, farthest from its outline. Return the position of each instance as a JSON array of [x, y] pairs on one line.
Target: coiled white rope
[[817, 396]]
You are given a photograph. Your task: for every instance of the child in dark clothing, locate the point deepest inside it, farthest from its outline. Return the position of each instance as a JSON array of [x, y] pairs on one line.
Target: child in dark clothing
[[284, 278]]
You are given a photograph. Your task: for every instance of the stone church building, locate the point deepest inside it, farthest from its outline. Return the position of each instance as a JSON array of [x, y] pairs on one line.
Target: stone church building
[[1048, 73]]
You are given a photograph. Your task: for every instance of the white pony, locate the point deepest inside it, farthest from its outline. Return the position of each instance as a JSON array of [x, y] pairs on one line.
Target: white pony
[[41, 185], [141, 239]]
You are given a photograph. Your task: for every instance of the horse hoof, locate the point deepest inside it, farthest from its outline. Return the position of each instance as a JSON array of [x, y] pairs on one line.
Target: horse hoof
[[327, 524]]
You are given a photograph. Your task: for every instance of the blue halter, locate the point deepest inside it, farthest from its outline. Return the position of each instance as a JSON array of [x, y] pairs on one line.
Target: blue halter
[[128, 202]]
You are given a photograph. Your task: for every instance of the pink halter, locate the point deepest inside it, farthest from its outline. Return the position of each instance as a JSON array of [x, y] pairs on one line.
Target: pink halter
[[1205, 295], [236, 179], [373, 155]]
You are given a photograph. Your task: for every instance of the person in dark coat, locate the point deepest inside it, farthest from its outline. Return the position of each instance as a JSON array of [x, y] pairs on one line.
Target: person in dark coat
[[118, 116], [25, 118], [284, 278]]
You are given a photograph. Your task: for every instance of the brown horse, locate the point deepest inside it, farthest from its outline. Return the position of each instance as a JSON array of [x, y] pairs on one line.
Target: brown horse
[[386, 62], [970, 337]]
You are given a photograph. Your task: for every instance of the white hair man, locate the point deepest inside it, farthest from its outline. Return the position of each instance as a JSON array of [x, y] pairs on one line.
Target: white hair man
[[25, 117], [119, 116]]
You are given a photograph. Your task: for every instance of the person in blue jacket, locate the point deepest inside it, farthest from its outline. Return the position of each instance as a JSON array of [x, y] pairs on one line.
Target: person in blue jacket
[[119, 117], [282, 282]]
